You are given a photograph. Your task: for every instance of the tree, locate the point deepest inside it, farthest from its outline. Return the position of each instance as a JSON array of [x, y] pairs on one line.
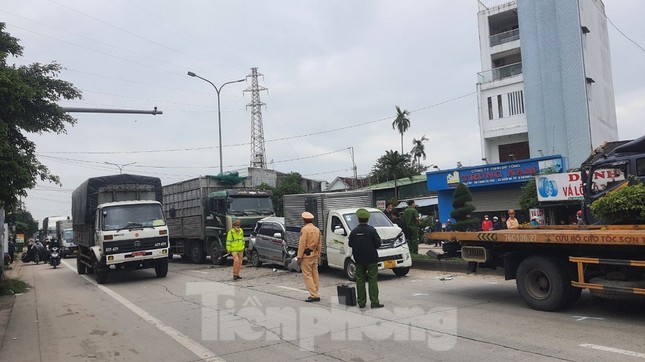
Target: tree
[[462, 209], [623, 206], [290, 184], [23, 222], [28, 96], [418, 150], [401, 123], [528, 196], [392, 166]]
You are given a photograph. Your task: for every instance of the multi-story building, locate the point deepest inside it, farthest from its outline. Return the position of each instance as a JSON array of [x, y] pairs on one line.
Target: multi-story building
[[545, 87]]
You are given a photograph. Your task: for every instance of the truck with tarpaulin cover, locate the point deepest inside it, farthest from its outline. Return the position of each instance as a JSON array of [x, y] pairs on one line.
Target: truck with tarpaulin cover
[[119, 224], [200, 212]]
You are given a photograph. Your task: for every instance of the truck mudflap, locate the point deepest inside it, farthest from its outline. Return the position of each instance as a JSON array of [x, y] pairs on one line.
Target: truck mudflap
[[113, 259], [636, 287]]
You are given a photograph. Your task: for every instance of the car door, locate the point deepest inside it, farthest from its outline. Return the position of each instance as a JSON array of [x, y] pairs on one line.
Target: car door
[[336, 244]]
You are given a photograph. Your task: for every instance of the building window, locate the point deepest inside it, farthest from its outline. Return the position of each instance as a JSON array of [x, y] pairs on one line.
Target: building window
[[500, 107], [513, 151], [490, 108], [515, 103]]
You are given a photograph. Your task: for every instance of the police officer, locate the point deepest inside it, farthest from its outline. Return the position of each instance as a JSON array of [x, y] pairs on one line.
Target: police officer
[[235, 246], [364, 241], [308, 254]]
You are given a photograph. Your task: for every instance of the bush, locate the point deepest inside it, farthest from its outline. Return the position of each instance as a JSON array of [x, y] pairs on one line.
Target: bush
[[623, 206], [12, 286]]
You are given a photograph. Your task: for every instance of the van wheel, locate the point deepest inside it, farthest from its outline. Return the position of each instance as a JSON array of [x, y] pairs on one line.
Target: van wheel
[[255, 259], [401, 272], [197, 255], [350, 270]]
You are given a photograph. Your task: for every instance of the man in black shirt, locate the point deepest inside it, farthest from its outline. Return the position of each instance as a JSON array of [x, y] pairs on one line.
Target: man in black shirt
[[365, 241]]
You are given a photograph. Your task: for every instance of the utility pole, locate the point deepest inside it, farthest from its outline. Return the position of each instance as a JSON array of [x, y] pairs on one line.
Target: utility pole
[[351, 152], [258, 156]]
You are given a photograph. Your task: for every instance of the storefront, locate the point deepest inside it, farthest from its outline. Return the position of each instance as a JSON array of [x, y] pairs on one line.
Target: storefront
[[495, 187]]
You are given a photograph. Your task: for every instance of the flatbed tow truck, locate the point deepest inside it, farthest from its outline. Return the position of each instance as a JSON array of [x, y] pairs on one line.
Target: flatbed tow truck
[[552, 264]]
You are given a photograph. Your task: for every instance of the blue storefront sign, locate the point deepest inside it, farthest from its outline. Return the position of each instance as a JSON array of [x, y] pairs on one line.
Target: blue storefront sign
[[494, 174]]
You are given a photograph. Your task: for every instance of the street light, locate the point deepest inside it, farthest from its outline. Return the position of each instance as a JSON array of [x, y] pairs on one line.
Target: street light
[[120, 166], [219, 113]]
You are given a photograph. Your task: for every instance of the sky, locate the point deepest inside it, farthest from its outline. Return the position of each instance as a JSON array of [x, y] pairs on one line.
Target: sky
[[334, 71]]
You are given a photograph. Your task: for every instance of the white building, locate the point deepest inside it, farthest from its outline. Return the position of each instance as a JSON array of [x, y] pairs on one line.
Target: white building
[[545, 87]]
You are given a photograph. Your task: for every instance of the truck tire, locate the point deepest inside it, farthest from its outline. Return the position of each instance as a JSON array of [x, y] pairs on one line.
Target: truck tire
[[401, 272], [255, 259], [216, 252], [350, 270], [196, 252], [101, 273], [161, 268], [544, 283], [80, 267]]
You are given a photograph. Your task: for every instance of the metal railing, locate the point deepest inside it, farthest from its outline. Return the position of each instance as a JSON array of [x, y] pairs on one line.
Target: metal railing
[[505, 37], [500, 73]]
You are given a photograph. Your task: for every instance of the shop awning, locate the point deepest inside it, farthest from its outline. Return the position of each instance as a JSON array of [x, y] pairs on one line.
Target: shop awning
[[421, 202]]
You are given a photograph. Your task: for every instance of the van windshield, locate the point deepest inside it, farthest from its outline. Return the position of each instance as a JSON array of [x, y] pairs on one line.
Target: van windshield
[[131, 216], [377, 219]]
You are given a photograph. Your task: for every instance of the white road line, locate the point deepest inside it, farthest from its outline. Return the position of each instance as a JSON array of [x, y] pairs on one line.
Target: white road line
[[614, 350], [190, 344], [294, 289]]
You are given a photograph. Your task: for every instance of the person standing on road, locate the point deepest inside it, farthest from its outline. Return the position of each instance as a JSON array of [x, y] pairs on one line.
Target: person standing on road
[[411, 218], [437, 227], [235, 246], [11, 250], [365, 241], [388, 210], [497, 225], [308, 255], [512, 222]]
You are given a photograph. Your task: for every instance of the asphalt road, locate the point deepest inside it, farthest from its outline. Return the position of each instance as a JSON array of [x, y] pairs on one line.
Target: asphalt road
[[198, 313]]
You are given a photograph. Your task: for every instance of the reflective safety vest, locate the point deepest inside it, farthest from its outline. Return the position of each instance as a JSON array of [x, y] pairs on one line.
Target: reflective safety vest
[[235, 240]]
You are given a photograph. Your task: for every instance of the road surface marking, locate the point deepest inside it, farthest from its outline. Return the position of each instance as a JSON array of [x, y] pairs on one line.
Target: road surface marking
[[294, 289], [614, 350], [582, 318], [190, 344]]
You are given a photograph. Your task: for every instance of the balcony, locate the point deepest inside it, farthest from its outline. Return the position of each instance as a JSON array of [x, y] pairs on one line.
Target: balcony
[[505, 37], [500, 73]]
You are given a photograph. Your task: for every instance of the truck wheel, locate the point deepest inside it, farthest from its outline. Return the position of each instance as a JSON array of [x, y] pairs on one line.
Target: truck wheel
[[216, 252], [401, 272], [197, 255], [545, 284], [101, 273], [80, 267], [161, 268], [255, 259], [350, 270]]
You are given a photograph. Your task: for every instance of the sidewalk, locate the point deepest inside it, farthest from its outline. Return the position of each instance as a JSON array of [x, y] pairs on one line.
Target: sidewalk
[[7, 302]]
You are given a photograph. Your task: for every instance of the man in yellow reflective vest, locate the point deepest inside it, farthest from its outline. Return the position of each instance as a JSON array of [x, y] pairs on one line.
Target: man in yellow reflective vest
[[235, 246]]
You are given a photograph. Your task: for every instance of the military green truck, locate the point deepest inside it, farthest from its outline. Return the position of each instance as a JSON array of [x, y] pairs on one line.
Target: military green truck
[[200, 212]]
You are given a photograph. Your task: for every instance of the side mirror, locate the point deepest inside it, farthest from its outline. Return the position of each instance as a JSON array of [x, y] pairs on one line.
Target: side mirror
[[339, 231], [277, 235]]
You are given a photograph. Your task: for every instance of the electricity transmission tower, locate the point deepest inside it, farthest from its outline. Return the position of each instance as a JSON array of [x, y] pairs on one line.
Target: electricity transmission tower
[[258, 156]]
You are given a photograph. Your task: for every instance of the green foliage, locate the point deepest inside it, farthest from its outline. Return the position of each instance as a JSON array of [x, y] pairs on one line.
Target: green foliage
[[418, 150], [23, 221], [28, 96], [12, 286], [528, 197], [393, 165], [401, 123], [462, 209], [623, 206], [290, 184]]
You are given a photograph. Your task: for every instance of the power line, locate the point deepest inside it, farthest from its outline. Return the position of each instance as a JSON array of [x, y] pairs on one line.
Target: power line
[[271, 140], [616, 27]]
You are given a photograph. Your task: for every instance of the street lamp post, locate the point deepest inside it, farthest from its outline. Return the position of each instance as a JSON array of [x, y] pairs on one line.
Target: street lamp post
[[219, 113], [120, 166]]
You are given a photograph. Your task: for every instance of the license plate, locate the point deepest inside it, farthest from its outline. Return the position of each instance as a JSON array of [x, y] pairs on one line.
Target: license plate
[[139, 253], [389, 264]]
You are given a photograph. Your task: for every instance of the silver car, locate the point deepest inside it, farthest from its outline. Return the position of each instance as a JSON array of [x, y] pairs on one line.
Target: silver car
[[267, 243]]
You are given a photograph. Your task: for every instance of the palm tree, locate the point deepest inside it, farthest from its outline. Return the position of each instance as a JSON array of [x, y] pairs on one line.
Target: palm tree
[[401, 123], [418, 150], [394, 163]]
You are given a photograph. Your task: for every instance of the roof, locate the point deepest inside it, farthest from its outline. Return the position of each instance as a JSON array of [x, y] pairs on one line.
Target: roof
[[400, 182], [349, 183], [421, 202]]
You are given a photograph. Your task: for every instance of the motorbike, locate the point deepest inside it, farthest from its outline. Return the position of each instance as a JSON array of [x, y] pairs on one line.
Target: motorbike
[[36, 253], [54, 257]]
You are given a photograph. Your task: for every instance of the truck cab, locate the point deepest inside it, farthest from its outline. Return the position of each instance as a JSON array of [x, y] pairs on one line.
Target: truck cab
[[393, 254]]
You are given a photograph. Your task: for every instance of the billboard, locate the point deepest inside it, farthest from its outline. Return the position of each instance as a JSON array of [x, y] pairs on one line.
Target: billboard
[[568, 186]]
